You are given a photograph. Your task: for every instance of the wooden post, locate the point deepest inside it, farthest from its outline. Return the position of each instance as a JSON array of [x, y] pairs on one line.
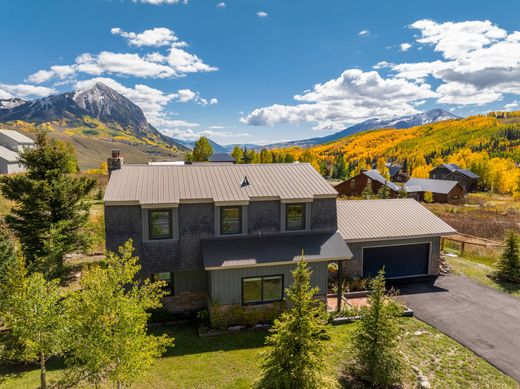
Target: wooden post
[[462, 249], [340, 285], [442, 243]]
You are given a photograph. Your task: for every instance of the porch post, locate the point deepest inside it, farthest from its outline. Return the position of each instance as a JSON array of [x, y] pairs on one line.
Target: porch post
[[340, 285]]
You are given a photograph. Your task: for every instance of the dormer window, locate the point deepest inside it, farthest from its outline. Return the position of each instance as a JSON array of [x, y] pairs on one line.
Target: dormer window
[[231, 220], [295, 217], [160, 224]]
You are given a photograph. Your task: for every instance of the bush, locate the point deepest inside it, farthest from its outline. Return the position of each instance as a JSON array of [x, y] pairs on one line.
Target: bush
[[235, 315], [428, 197]]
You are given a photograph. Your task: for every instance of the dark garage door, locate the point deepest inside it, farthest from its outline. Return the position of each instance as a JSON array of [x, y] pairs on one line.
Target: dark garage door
[[399, 261]]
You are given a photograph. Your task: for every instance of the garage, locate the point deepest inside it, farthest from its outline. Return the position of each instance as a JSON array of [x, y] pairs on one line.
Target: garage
[[399, 261]]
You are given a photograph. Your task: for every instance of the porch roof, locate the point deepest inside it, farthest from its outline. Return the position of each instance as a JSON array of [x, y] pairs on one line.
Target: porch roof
[[226, 253]]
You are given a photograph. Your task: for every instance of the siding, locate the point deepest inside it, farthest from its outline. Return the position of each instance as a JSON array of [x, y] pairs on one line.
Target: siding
[[226, 285], [190, 280], [354, 266]]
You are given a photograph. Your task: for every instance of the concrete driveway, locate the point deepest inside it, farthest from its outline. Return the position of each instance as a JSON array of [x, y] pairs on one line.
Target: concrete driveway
[[482, 319]]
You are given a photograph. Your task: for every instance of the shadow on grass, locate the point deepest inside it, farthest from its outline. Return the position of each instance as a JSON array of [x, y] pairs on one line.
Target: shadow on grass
[[187, 340], [16, 370], [506, 286]]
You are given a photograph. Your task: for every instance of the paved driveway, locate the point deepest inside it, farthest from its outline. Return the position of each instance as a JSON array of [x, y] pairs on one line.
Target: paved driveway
[[482, 319]]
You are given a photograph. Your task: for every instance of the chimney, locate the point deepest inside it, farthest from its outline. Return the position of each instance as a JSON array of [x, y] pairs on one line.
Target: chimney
[[115, 162]]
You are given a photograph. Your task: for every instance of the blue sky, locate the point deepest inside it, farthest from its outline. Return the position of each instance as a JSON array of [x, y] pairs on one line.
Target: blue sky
[[257, 71]]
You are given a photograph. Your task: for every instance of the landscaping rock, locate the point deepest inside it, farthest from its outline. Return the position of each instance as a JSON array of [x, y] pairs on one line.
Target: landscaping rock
[[236, 328]]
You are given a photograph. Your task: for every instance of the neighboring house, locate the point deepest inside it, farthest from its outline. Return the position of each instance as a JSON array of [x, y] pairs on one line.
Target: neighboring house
[[14, 141], [9, 162], [452, 172], [396, 172], [354, 186], [222, 157], [224, 233], [398, 234], [443, 191]]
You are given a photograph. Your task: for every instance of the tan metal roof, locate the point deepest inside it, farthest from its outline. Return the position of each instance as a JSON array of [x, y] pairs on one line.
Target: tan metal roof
[[171, 184], [366, 220], [17, 137]]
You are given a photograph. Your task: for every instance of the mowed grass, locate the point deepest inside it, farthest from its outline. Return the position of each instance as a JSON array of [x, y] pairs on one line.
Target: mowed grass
[[233, 361]]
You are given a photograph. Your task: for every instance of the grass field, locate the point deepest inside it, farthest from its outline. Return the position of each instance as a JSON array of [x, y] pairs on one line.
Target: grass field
[[232, 361]]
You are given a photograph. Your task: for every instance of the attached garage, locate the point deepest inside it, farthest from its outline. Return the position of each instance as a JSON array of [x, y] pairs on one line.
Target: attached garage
[[406, 260], [398, 234]]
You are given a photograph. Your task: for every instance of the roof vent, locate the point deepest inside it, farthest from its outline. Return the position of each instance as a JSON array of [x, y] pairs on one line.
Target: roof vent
[[245, 182]]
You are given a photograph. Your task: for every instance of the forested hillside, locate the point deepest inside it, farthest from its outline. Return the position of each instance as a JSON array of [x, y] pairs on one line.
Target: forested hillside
[[488, 145]]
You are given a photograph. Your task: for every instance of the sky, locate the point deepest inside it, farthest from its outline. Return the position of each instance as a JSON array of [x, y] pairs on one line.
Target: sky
[[264, 71]]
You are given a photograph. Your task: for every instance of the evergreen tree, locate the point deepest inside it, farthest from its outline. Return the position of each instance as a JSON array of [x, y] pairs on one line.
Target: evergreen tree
[[296, 359], [34, 312], [202, 150], [367, 193], [48, 200], [238, 154], [509, 263], [383, 192], [110, 314], [402, 194], [377, 355]]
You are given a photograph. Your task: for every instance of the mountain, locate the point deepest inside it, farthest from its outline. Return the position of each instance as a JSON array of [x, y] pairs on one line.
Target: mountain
[[96, 112], [249, 146], [431, 116], [216, 147], [11, 103]]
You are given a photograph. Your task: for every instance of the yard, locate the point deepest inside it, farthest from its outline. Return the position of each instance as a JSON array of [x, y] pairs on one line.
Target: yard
[[232, 361]]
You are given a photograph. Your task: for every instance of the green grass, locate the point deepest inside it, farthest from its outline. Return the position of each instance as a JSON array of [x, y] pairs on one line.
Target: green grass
[[233, 361]]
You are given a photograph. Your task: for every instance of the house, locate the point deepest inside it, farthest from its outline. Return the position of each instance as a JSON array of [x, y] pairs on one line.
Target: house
[[14, 141], [443, 191], [451, 171], [221, 158], [398, 234], [9, 161], [354, 186], [396, 172], [227, 234], [230, 234]]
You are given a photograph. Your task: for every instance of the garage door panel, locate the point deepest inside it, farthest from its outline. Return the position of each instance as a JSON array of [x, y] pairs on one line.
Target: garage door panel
[[398, 261]]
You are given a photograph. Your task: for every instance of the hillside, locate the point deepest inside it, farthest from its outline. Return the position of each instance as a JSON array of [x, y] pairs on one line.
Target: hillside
[[488, 145]]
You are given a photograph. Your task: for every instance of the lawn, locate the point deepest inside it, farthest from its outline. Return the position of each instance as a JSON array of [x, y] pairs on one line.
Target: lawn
[[232, 361]]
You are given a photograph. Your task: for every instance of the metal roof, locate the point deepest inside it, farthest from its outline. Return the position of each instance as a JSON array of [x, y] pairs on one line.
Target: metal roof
[[429, 185], [8, 155], [376, 176], [16, 136], [371, 220], [156, 184], [453, 167], [393, 169], [272, 250], [221, 157]]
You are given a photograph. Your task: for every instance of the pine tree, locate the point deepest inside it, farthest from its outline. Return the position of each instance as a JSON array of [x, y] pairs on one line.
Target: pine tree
[[296, 359], [202, 150], [509, 264], [48, 199], [377, 356], [367, 193], [110, 314], [402, 193], [383, 192]]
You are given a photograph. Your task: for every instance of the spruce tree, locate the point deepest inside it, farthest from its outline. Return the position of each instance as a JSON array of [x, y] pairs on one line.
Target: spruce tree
[[296, 359], [509, 264], [49, 200], [377, 355], [402, 194], [383, 192]]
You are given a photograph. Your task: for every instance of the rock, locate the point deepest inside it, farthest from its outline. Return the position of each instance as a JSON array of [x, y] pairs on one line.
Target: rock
[[235, 328], [419, 333], [424, 385], [261, 326]]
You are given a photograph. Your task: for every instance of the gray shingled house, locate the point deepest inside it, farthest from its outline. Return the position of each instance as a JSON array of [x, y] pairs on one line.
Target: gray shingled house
[[453, 172], [231, 234], [443, 191]]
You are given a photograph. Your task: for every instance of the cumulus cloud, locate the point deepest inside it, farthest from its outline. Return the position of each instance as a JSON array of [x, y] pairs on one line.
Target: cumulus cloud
[[364, 33], [405, 46], [512, 105], [354, 96], [159, 36], [25, 90], [221, 5], [262, 14], [41, 76]]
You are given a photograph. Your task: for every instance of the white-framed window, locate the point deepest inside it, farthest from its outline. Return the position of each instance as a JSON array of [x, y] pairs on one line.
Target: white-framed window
[[295, 217], [160, 224], [231, 220]]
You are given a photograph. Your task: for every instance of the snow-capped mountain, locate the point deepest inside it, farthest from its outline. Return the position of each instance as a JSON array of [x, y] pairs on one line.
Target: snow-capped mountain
[[431, 116], [11, 103], [99, 102]]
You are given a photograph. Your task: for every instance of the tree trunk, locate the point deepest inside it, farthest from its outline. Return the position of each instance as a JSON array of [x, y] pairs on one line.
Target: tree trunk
[[118, 384], [43, 378]]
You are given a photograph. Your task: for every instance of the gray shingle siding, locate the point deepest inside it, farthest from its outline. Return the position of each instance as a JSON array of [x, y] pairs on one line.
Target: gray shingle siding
[[122, 223], [324, 215], [263, 217], [196, 222]]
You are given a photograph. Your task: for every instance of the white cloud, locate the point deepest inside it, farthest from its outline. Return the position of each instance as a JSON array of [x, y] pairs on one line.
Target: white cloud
[[221, 5], [364, 33], [25, 90], [183, 62], [5, 95], [213, 101], [405, 46], [262, 14], [41, 76], [159, 36], [159, 2], [512, 105], [354, 96]]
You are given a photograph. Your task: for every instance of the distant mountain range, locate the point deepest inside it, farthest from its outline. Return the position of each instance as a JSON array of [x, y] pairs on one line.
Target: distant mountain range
[[216, 147], [86, 109]]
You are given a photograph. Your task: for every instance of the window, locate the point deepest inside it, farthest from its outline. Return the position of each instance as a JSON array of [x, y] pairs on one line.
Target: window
[[295, 217], [257, 290], [160, 224], [230, 220], [167, 278]]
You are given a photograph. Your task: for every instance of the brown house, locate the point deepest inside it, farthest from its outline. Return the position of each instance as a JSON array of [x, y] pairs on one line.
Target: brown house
[[443, 191], [452, 172], [354, 186]]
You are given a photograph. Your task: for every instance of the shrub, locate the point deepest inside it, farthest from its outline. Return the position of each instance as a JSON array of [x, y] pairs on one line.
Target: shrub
[[428, 197]]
